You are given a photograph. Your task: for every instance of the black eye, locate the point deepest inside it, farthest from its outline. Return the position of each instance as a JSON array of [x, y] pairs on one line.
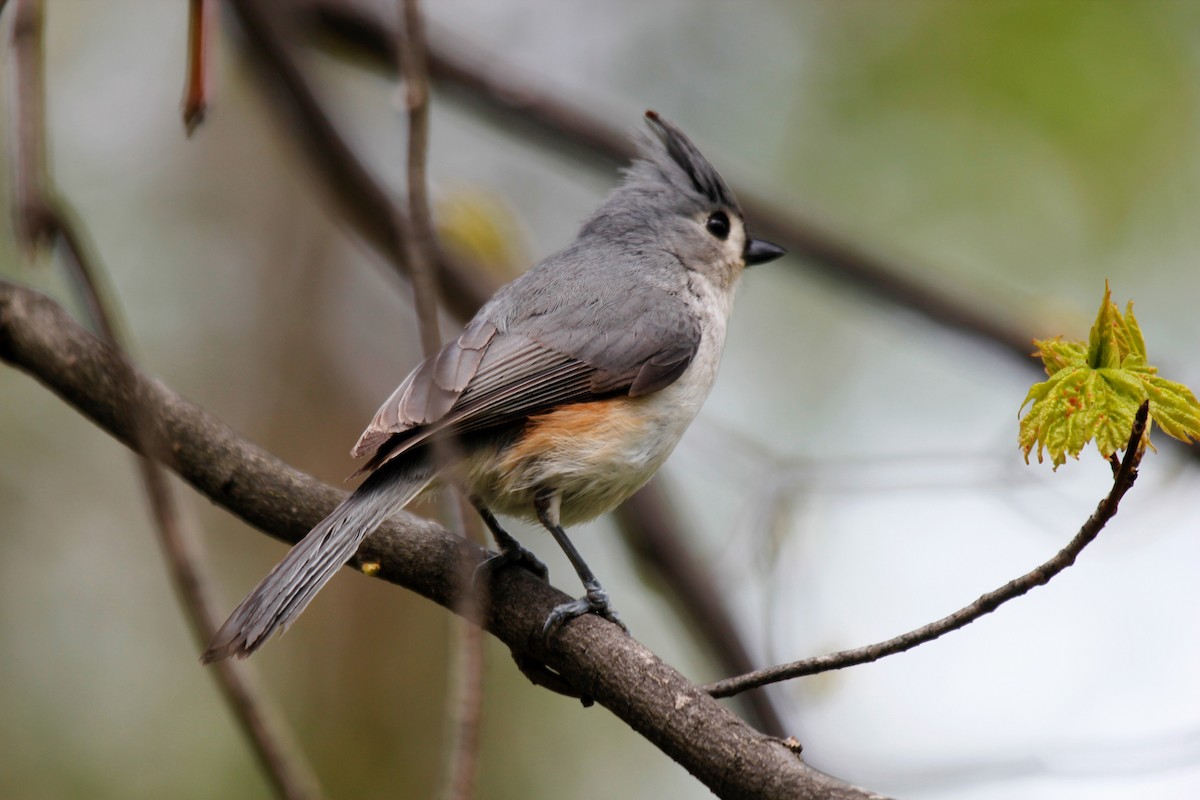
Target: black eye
[[718, 225]]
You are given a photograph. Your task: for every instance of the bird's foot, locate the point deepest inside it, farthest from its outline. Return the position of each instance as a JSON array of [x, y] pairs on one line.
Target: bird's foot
[[515, 554], [594, 602]]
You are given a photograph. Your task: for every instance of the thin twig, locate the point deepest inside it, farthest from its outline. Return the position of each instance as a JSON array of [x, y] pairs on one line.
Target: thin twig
[[464, 702], [419, 242], [367, 204], [197, 84], [465, 699], [31, 208], [1122, 481], [591, 654], [43, 217]]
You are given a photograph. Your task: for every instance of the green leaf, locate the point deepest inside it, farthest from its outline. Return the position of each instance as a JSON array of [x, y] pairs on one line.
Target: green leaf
[[1093, 392], [1135, 345], [1174, 408], [1057, 354], [1103, 345]]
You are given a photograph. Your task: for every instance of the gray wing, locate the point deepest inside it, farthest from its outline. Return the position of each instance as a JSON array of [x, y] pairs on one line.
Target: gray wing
[[430, 390], [487, 378]]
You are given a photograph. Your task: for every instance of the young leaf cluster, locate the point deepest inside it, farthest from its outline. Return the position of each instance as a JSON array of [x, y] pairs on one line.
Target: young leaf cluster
[[1093, 391]]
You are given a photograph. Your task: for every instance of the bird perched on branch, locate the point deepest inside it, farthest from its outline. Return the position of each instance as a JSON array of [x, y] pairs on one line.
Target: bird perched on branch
[[562, 397]]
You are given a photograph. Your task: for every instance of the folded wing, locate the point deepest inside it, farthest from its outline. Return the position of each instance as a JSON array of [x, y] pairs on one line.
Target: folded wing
[[487, 379]]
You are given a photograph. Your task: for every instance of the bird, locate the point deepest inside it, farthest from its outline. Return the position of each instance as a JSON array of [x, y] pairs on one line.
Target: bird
[[562, 396]]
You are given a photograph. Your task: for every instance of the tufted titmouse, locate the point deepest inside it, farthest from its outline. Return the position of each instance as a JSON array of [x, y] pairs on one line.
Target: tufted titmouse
[[563, 395]]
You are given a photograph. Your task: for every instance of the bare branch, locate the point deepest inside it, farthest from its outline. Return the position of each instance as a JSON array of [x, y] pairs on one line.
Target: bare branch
[[31, 207], [43, 217], [419, 243], [1122, 481], [201, 21], [367, 204], [591, 655], [420, 251]]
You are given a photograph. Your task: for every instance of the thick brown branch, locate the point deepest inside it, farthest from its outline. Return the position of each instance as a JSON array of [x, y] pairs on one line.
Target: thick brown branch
[[592, 655], [1039, 576]]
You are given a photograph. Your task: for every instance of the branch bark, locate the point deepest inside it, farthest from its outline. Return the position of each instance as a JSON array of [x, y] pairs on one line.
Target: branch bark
[[592, 655]]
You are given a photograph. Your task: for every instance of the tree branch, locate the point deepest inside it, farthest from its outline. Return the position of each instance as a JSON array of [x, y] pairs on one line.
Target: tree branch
[[591, 654], [201, 16], [465, 700], [42, 217], [367, 204], [33, 221], [1123, 480], [420, 249]]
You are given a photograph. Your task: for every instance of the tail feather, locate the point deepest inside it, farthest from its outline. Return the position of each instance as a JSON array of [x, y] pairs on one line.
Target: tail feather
[[291, 585]]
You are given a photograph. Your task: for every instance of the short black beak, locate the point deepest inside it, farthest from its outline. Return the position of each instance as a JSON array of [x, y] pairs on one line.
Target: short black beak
[[759, 252]]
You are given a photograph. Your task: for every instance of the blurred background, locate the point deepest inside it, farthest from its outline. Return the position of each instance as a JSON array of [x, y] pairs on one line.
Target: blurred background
[[854, 475]]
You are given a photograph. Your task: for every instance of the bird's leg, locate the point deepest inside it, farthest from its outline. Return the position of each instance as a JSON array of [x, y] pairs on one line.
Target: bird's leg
[[511, 551], [547, 505]]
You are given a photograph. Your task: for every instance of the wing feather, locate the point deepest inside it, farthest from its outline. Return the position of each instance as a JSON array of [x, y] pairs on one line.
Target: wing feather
[[487, 379]]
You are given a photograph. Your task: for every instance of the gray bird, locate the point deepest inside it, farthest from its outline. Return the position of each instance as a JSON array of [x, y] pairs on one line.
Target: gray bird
[[565, 393]]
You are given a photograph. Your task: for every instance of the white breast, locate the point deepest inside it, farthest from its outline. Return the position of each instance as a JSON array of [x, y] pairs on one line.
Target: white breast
[[598, 454]]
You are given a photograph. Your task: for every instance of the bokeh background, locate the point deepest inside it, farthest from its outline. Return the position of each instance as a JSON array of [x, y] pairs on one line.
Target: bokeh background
[[855, 473]]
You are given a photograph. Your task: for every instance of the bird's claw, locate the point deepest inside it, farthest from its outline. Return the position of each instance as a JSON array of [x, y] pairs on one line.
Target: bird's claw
[[594, 602], [509, 556]]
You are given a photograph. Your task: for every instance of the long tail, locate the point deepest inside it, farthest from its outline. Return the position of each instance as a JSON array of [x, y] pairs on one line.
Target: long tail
[[287, 590]]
